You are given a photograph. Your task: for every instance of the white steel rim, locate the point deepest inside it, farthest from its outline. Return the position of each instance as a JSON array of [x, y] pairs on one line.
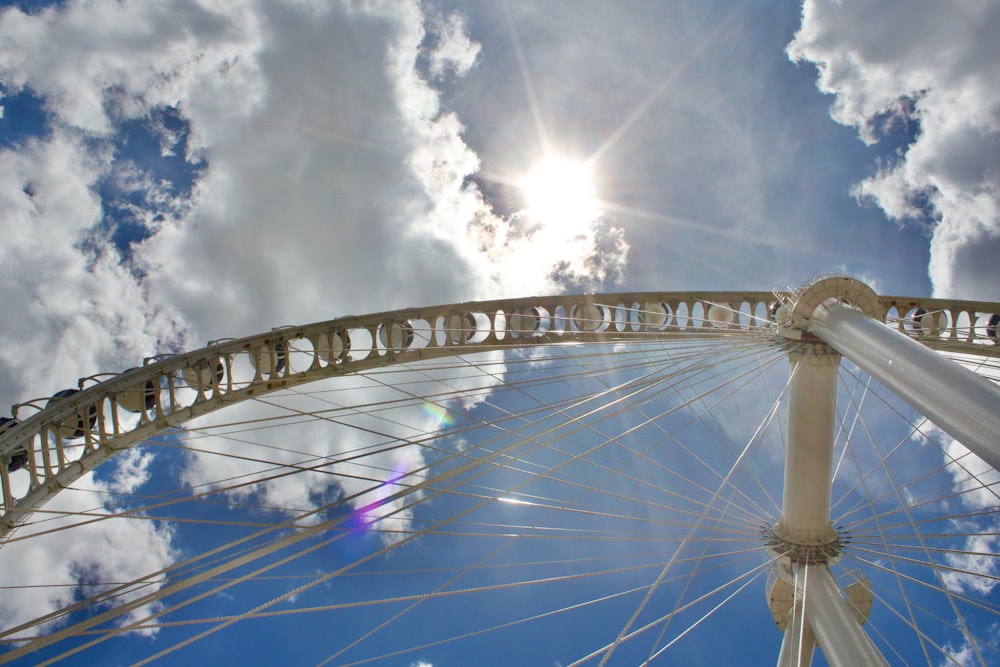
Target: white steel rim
[[651, 348]]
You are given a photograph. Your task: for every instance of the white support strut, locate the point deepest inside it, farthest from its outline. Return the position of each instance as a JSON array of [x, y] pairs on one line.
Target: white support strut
[[964, 405], [844, 642], [798, 643], [805, 507]]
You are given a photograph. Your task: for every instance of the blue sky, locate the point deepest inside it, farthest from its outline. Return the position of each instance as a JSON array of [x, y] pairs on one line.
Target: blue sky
[[178, 172]]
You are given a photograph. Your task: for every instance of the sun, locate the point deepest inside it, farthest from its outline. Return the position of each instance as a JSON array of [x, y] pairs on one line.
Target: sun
[[560, 196]]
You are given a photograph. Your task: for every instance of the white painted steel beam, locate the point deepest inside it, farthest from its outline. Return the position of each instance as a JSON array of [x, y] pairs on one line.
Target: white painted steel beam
[[844, 642], [964, 405], [798, 644], [812, 407]]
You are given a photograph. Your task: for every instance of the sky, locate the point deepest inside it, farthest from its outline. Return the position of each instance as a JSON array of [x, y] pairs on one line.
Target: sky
[[178, 172]]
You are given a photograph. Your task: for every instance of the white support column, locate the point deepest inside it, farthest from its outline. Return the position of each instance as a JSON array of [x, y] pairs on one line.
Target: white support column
[[964, 405], [798, 645], [844, 642], [805, 505]]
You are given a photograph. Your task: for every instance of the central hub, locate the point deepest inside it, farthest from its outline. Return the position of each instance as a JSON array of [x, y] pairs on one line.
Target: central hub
[[817, 553]]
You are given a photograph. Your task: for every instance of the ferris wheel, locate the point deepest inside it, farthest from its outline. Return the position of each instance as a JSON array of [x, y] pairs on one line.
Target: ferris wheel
[[604, 479]]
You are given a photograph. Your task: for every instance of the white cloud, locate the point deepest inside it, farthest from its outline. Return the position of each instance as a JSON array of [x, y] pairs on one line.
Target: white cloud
[[454, 52], [78, 310], [976, 484], [49, 572], [946, 81], [333, 182]]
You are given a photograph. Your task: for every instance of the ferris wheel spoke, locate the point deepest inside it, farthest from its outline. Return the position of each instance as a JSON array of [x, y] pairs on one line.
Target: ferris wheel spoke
[[863, 486], [500, 440], [272, 548], [753, 510], [705, 551], [744, 580], [672, 439], [610, 649], [636, 456], [896, 559], [562, 610], [760, 372], [522, 532], [889, 600], [972, 484]]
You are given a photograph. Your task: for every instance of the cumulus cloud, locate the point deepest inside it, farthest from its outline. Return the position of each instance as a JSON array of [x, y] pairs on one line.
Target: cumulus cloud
[[454, 51], [52, 571], [945, 83], [975, 484], [326, 179], [73, 308]]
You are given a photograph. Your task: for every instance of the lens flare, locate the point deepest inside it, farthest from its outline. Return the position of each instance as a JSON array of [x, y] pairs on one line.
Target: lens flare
[[368, 514], [441, 416]]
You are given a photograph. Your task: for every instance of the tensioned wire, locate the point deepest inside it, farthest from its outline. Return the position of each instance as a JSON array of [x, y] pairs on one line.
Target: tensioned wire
[[727, 555], [653, 651], [883, 594], [672, 439], [494, 418], [896, 560], [590, 462], [906, 600], [309, 464], [911, 623], [948, 461], [947, 489], [219, 569], [321, 414], [608, 472], [326, 577], [764, 515], [734, 489], [637, 456], [935, 567], [70, 447], [539, 616], [626, 630]]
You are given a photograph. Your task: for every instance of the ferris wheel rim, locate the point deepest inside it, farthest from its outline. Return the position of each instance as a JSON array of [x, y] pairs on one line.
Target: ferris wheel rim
[[555, 319], [391, 356]]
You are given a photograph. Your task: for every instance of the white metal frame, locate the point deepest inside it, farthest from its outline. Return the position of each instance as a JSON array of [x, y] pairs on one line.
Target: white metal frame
[[827, 318]]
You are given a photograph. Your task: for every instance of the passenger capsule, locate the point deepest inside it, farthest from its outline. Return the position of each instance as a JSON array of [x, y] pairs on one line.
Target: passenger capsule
[[78, 427], [461, 327], [654, 315], [920, 322], [200, 376], [334, 347], [138, 399], [268, 362], [396, 336], [991, 328], [19, 457], [526, 322], [720, 315], [588, 316], [772, 311]]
